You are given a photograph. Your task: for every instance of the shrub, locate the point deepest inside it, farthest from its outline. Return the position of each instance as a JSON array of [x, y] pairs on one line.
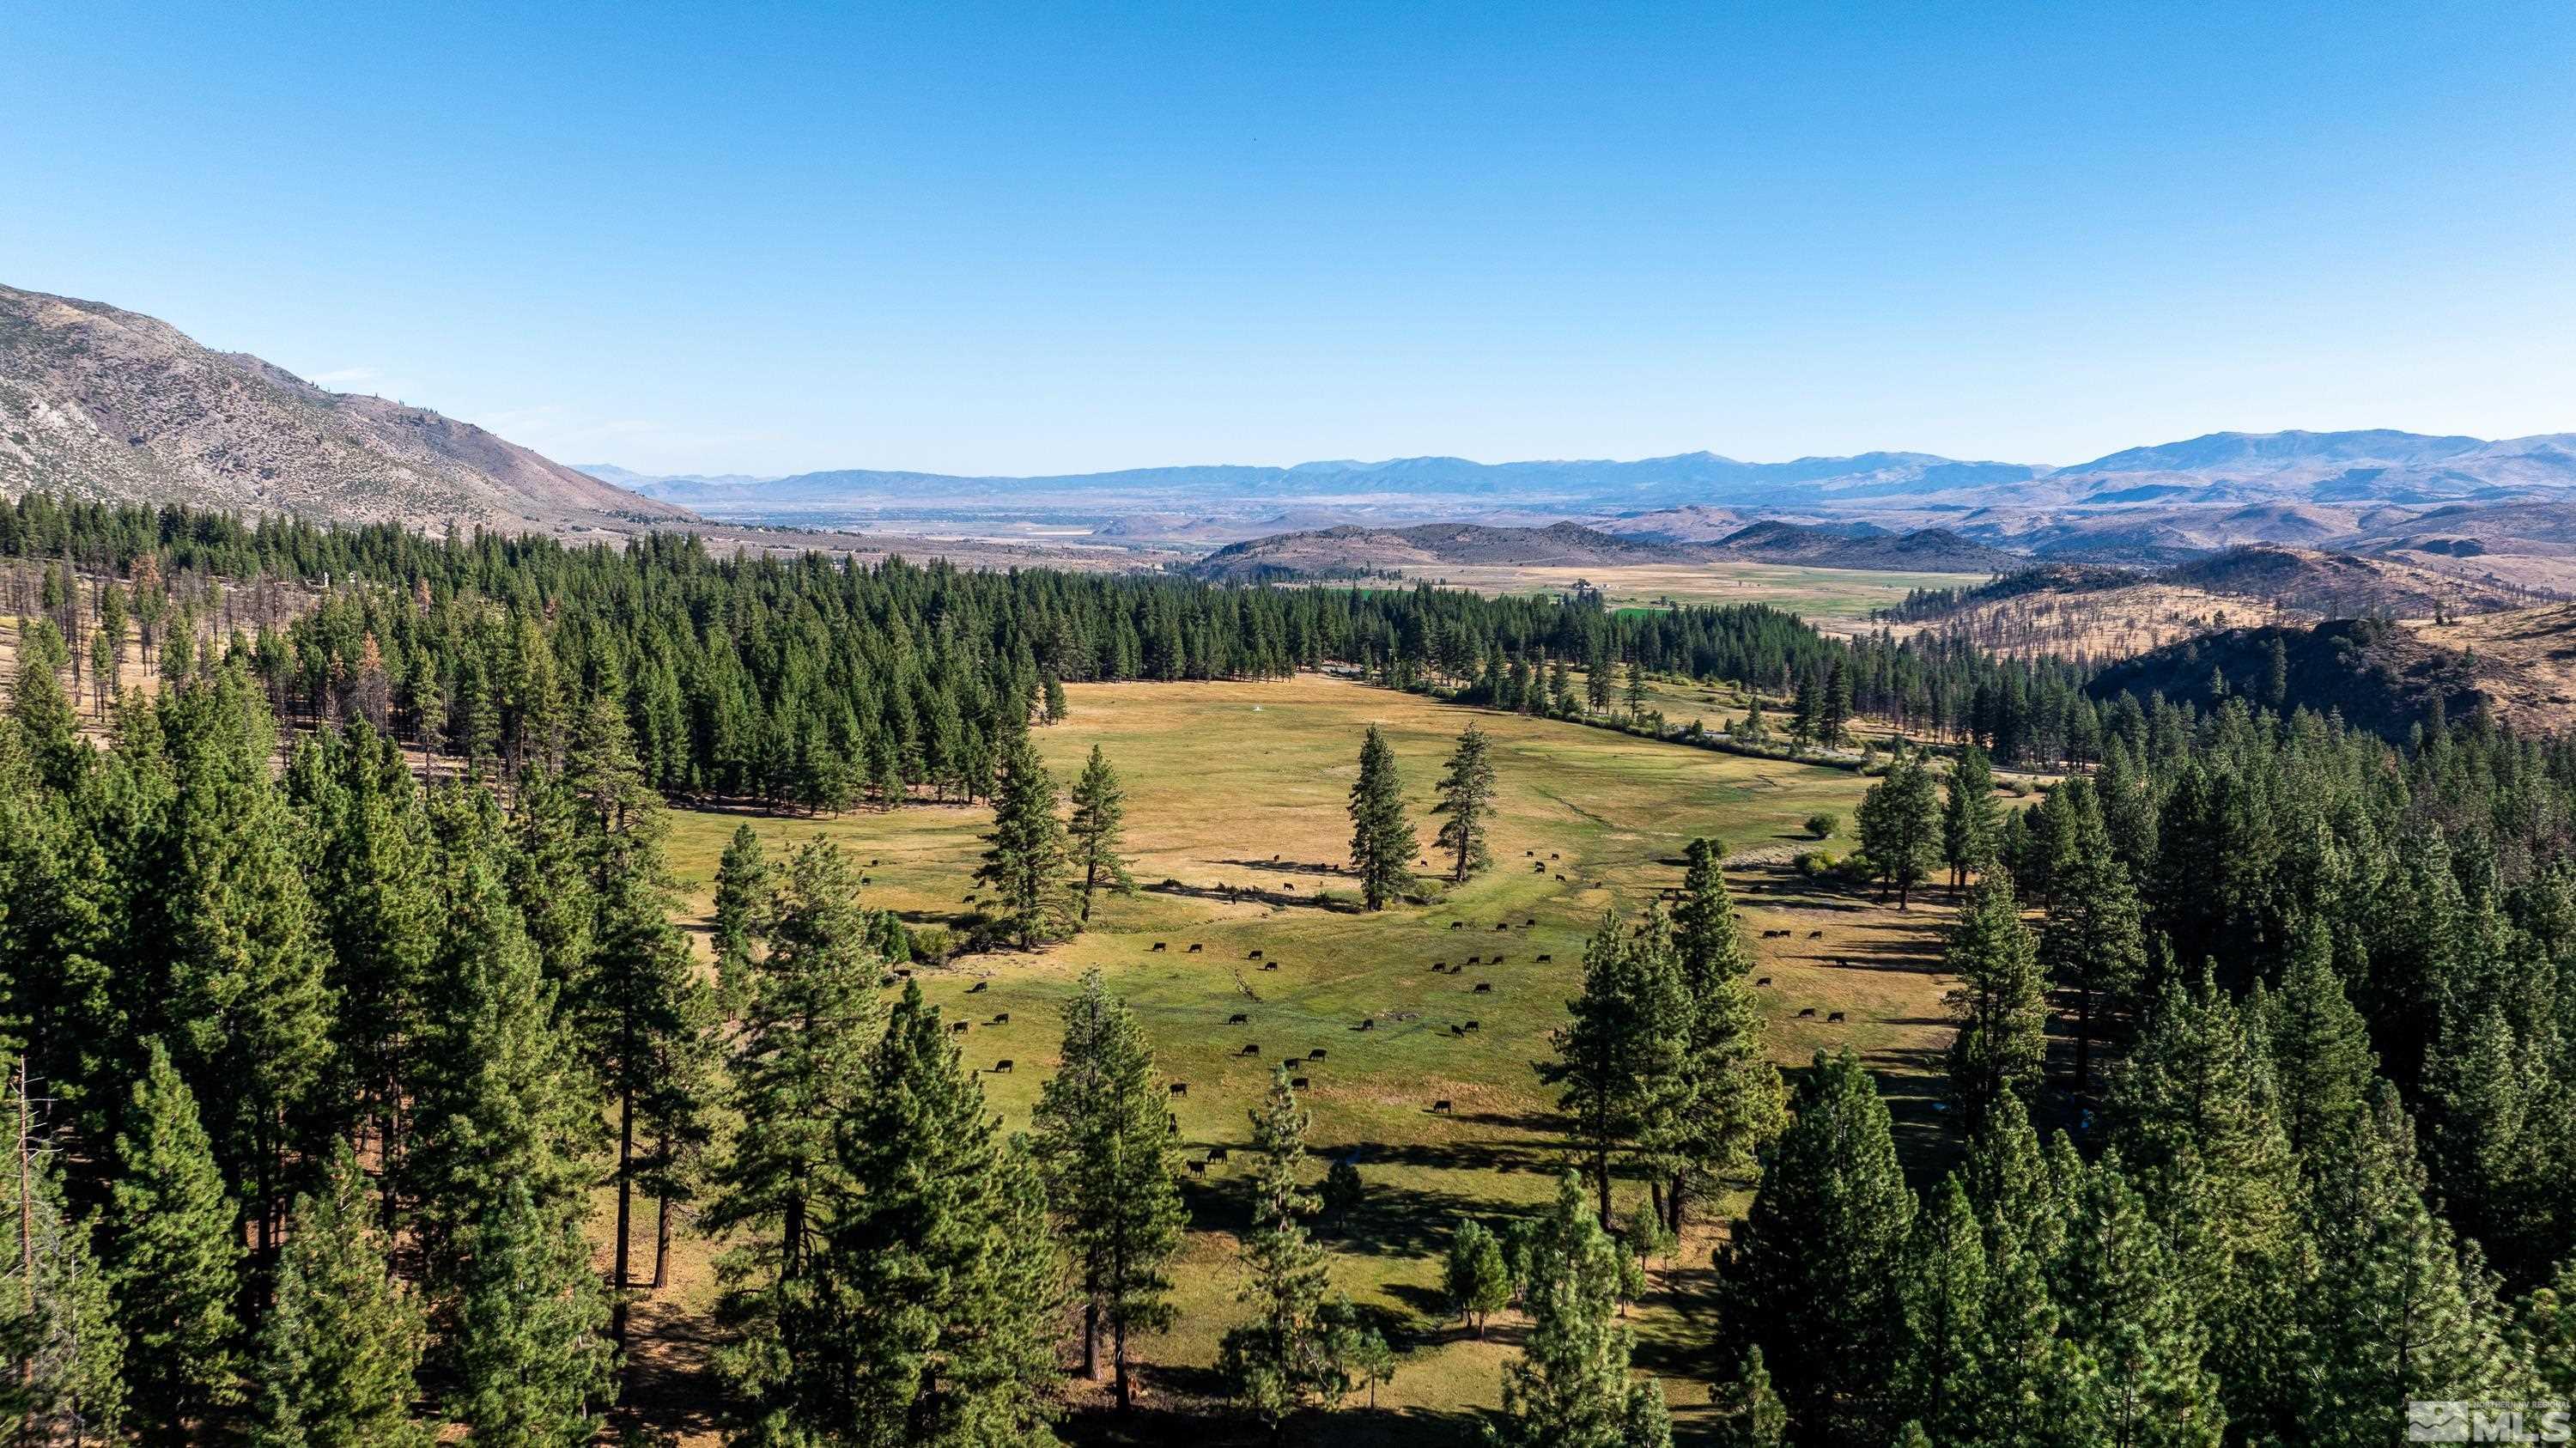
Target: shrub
[[1821, 824]]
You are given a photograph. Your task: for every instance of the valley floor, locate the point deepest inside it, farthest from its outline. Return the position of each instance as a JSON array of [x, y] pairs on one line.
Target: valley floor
[[1236, 795]]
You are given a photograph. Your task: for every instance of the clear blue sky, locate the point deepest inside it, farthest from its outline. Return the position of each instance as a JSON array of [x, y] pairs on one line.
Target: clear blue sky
[[1058, 237]]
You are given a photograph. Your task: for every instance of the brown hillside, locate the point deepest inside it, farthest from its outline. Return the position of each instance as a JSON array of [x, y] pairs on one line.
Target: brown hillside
[[114, 405]]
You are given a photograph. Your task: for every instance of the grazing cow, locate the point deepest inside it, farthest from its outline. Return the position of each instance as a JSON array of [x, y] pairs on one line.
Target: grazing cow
[[1252, 1049], [969, 900], [1475, 960], [1237, 1019], [1180, 1088], [1815, 935], [957, 1028], [1547, 960], [1529, 925], [1502, 925], [1216, 1154], [1475, 1025], [1368, 1025], [1832, 1017], [903, 972], [1766, 980], [1269, 965], [1297, 1082], [1194, 947], [1529, 852], [867, 879], [1158, 946], [1002, 1067], [1560, 878], [1441, 1106], [1002, 1018], [1553, 855], [1457, 924], [1172, 1120], [1808, 1012], [872, 864], [1497, 960], [1256, 955], [1484, 987], [977, 988], [1457, 1030], [1197, 1167], [1316, 1054]]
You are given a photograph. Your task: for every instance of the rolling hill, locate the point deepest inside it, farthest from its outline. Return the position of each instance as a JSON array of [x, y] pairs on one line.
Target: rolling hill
[[113, 405]]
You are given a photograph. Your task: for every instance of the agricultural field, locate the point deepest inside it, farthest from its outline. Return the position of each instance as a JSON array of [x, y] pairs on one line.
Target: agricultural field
[[1837, 600], [1236, 795]]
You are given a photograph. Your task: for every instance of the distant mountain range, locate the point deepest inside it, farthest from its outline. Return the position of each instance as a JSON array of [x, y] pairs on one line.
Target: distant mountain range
[[2325, 467], [117, 406]]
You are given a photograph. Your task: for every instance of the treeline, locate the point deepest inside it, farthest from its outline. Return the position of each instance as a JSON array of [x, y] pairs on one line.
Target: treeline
[[2323, 1173], [819, 684]]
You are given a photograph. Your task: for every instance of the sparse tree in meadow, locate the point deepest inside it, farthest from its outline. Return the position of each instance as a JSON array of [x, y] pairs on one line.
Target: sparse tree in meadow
[[1621, 1061], [1024, 851], [1900, 827], [745, 891], [1295, 1352], [1382, 840], [1097, 831], [1467, 804], [1102, 1147], [1477, 1279], [1834, 708]]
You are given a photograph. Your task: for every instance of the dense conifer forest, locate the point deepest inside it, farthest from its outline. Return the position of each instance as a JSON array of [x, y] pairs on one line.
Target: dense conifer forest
[[343, 981]]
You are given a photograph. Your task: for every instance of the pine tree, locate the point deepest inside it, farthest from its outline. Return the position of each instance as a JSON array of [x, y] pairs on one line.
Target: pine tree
[[1636, 690], [1467, 799], [1100, 1141], [1732, 1101], [1572, 1387], [1024, 852], [1834, 709], [1900, 827], [1755, 1416], [1807, 711], [173, 1254], [1945, 1290], [1620, 1060], [745, 891], [2399, 1309], [2093, 945], [1811, 1275], [1382, 841], [337, 1354], [1968, 815], [798, 1069], [1097, 831], [1475, 1276], [2319, 1044], [942, 1275], [503, 1100], [2000, 1003], [2138, 1375], [533, 1369], [65, 1374], [1289, 1357]]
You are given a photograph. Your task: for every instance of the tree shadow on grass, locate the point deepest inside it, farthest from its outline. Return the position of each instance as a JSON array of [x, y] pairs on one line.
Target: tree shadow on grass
[[1238, 895]]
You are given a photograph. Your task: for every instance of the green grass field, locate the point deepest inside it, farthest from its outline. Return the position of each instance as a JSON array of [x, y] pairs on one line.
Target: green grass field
[[1240, 788]]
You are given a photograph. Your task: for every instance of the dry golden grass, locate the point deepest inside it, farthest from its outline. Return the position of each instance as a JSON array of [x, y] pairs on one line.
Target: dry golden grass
[[1223, 778]]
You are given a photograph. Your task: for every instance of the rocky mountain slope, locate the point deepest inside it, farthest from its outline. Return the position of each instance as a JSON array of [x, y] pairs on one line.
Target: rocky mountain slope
[[114, 405]]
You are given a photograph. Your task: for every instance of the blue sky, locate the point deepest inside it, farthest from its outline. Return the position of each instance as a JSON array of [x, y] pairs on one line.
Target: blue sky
[[1014, 238]]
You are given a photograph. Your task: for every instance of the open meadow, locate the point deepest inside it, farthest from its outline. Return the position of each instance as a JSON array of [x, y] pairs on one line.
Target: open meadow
[[1836, 600], [1235, 818]]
